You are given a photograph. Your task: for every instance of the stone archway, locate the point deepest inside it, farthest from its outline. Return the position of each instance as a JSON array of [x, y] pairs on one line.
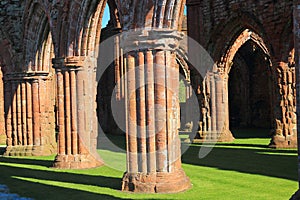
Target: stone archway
[[75, 67], [5, 60], [29, 90], [158, 166], [110, 86], [216, 84], [250, 89], [255, 68], [153, 153], [185, 94]]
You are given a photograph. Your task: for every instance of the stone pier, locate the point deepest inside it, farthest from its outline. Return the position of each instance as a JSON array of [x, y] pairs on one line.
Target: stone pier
[[152, 104], [29, 114], [77, 119]]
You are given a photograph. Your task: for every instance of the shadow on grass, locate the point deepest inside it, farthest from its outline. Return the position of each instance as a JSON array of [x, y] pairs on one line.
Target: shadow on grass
[[251, 133], [267, 162], [43, 163], [283, 151], [242, 145], [2, 150], [11, 176]]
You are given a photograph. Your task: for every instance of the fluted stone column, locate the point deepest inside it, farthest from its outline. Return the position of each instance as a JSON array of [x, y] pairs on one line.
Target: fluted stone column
[[224, 134], [77, 120], [216, 101], [152, 105], [29, 114]]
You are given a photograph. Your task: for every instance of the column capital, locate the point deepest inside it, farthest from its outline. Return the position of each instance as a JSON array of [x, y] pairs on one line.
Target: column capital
[[73, 62], [152, 39]]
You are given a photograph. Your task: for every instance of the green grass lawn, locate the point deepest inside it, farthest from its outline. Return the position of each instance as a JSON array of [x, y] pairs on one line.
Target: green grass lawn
[[244, 169]]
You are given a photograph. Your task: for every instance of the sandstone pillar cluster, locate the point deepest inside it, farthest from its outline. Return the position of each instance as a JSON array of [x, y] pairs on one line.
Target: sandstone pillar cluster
[[214, 125], [152, 104], [77, 120], [29, 114]]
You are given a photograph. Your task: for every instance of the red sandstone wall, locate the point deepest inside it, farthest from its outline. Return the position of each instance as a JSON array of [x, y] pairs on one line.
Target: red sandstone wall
[[216, 24], [217, 20]]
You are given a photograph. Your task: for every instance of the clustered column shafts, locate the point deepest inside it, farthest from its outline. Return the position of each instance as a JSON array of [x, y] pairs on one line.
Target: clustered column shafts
[[76, 119], [215, 113], [152, 43], [29, 121], [153, 156]]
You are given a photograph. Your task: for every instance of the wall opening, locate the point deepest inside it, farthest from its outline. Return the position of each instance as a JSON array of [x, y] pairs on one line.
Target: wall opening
[[250, 89], [110, 88]]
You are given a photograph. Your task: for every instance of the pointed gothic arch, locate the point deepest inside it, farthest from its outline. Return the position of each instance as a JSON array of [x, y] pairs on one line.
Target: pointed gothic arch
[[30, 96]]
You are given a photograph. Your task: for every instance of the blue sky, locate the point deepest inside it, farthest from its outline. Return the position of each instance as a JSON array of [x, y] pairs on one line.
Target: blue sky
[[106, 16]]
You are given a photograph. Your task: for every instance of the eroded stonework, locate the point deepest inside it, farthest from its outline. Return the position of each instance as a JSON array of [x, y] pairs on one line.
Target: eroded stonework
[[223, 29], [49, 55]]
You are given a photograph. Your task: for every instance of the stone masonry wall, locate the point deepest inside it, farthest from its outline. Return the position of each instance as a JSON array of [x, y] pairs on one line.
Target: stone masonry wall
[[217, 24]]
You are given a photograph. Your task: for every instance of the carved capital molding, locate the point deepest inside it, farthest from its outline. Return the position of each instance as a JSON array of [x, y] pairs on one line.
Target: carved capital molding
[[154, 39], [73, 63]]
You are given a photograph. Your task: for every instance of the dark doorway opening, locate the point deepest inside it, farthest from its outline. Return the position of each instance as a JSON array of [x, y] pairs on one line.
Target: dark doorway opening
[[250, 89]]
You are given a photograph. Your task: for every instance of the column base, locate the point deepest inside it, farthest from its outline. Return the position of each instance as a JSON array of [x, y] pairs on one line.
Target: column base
[[76, 162], [160, 182], [280, 141], [30, 150], [225, 136]]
